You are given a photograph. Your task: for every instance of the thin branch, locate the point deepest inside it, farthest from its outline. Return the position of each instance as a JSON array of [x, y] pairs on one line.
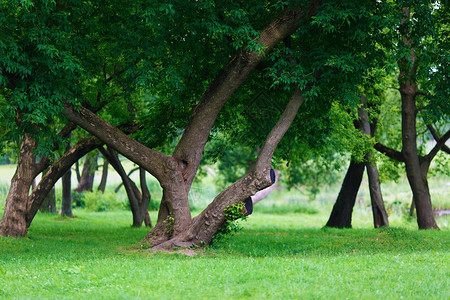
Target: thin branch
[[436, 137], [439, 144]]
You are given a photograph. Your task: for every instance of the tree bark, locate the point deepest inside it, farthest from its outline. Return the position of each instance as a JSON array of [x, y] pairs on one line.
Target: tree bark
[[13, 222], [408, 91], [341, 215], [102, 185]]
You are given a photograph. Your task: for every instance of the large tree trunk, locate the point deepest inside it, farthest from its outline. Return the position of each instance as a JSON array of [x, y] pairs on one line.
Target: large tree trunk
[[86, 182], [341, 215], [408, 91], [380, 217], [176, 173], [13, 222]]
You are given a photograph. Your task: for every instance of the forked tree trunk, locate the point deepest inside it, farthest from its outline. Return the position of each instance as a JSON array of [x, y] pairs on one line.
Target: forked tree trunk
[[341, 215], [13, 222], [176, 173]]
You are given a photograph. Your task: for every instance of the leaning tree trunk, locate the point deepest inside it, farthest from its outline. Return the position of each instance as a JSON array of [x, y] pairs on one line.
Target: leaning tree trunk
[[408, 92], [380, 217], [13, 222], [341, 215]]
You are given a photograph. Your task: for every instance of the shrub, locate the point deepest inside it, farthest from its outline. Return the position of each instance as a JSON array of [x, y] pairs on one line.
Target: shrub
[[98, 201]]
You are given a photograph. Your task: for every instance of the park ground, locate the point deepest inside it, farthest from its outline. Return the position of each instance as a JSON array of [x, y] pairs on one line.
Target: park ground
[[282, 252]]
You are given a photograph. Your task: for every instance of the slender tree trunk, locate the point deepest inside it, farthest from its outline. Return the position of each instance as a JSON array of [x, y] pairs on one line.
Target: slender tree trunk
[[380, 217], [138, 203], [87, 175], [145, 199], [341, 215], [102, 184], [49, 203], [77, 171], [66, 203], [13, 222], [66, 180]]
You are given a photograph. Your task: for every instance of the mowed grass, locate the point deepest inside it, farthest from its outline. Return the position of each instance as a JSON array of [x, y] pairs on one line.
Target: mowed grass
[[275, 256]]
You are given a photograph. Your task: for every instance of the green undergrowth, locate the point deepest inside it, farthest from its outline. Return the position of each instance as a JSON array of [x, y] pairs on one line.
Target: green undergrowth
[[93, 256]]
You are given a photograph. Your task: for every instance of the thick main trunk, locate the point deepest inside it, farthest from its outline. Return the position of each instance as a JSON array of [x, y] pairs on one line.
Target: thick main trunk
[[408, 91], [417, 181], [13, 222], [341, 215]]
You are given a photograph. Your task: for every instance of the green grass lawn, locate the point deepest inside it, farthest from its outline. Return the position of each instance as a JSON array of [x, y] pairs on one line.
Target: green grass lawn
[[274, 256]]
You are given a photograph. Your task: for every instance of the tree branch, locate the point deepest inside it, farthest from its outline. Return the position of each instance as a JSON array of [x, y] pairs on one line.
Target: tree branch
[[436, 137], [439, 144], [389, 152], [153, 161]]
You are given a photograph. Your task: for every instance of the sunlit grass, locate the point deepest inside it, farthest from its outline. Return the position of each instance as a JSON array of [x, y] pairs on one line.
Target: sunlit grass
[[275, 257]]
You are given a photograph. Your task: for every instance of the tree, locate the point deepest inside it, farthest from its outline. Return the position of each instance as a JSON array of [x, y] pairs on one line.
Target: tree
[[417, 27]]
